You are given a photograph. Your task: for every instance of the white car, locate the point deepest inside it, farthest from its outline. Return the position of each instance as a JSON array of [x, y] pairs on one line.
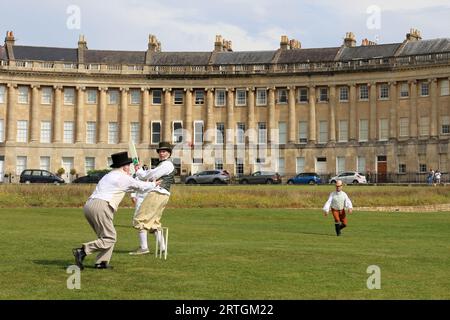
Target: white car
[[349, 177]]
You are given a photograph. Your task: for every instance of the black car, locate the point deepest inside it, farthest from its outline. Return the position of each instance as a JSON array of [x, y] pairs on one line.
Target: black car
[[90, 178], [261, 177], [39, 176]]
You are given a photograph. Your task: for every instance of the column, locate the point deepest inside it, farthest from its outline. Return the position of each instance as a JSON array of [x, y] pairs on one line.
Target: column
[[79, 116], [251, 117], [352, 114], [10, 119], [373, 112], [57, 115], [413, 110], [124, 135], [102, 126], [434, 125], [188, 129], [291, 115], [209, 137], [271, 116], [332, 124], [230, 116], [34, 121], [393, 111], [167, 107], [312, 115], [145, 123]]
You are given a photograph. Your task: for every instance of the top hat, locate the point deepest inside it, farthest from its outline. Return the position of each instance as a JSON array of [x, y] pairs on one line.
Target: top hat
[[164, 146], [120, 159]]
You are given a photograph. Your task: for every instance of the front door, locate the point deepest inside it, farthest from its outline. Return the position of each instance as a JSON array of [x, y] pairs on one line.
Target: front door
[[381, 169]]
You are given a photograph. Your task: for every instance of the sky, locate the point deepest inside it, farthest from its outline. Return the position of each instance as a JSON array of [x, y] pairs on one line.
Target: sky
[[191, 25]]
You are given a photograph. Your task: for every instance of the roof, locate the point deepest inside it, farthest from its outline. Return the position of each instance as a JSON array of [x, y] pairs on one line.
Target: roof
[[45, 53], [307, 55], [243, 57], [114, 57], [180, 58], [368, 52], [425, 46], [2, 53]]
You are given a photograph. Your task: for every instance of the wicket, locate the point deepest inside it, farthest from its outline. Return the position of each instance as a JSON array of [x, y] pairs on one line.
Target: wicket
[[165, 237]]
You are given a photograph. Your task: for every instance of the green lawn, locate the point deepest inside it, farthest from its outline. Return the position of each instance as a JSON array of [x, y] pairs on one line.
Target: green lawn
[[231, 254]]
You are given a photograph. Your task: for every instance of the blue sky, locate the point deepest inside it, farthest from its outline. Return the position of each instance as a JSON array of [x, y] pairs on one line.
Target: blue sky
[[191, 25]]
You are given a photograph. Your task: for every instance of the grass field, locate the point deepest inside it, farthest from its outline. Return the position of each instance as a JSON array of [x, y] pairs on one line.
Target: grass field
[[232, 254]]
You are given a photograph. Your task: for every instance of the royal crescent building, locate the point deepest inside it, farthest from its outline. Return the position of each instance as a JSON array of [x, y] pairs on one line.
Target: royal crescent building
[[378, 108]]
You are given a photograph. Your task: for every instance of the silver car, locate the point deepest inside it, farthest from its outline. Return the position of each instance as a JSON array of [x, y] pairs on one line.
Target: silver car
[[349, 177], [209, 177]]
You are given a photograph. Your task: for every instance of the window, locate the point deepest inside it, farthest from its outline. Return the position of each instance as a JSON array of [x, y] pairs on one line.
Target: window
[[282, 96], [2, 94], [21, 164], [262, 133], [241, 97], [361, 164], [261, 97], [401, 168], [323, 131], [282, 133], [220, 132], [240, 133], [281, 166], [343, 131], [323, 94], [134, 132], [422, 168], [44, 163], [424, 89], [445, 125], [46, 131], [218, 164], [404, 90], [135, 96], [178, 97], [424, 126], [199, 97], [23, 94], [89, 164], [363, 130], [113, 133], [303, 95], [156, 96], [22, 131], [444, 88], [384, 91], [198, 131], [91, 96], [340, 164], [91, 131], [46, 95], [300, 165], [2, 130], [403, 127], [363, 92], [384, 129], [303, 131], [69, 96], [239, 167], [113, 96], [177, 131], [68, 131], [220, 97], [156, 132], [343, 94]]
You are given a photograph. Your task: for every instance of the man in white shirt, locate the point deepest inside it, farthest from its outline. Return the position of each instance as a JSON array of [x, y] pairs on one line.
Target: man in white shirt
[[100, 208], [338, 201]]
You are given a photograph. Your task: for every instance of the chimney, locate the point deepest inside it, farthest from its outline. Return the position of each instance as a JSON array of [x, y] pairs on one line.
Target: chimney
[[82, 47], [9, 44], [227, 46], [153, 44], [413, 35], [349, 40], [367, 42], [284, 43], [294, 44], [222, 45]]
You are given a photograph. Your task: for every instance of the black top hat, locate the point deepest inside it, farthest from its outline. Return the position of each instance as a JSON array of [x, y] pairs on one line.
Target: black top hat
[[120, 159], [164, 146]]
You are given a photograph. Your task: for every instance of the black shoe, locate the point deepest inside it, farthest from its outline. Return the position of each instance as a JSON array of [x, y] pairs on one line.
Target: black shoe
[[103, 265], [343, 226], [79, 255], [338, 229]]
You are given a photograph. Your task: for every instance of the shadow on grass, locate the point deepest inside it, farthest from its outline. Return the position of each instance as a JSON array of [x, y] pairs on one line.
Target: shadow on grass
[[63, 264], [318, 234]]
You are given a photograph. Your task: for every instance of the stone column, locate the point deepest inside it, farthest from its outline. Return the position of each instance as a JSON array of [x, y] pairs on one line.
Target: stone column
[[373, 112], [209, 116], [34, 114], [332, 124], [10, 115], [413, 127], [145, 123], [124, 135], [79, 116], [271, 116], [434, 124], [101, 117], [230, 116], [188, 129], [393, 111], [312, 115], [352, 114], [291, 115], [57, 115], [251, 117], [167, 107]]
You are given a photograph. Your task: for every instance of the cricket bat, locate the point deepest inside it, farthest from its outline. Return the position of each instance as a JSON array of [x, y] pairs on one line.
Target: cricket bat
[[133, 155]]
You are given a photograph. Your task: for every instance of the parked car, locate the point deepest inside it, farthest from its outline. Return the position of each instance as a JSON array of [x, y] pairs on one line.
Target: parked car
[[349, 177], [208, 177], [261, 177], [39, 176], [90, 178], [305, 178]]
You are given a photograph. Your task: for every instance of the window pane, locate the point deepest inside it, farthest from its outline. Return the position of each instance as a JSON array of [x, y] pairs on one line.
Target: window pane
[[156, 132]]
